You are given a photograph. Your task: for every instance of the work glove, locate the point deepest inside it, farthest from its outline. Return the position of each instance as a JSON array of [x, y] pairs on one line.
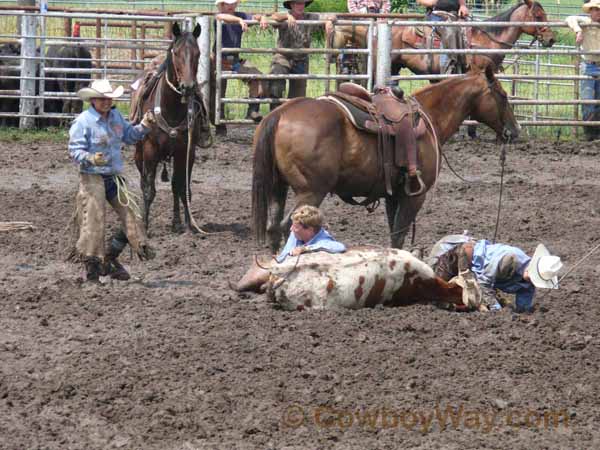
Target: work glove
[[148, 120], [97, 159], [471, 290]]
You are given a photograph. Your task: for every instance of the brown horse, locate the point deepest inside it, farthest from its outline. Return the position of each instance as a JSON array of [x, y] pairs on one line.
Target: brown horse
[[177, 106], [482, 37], [311, 146]]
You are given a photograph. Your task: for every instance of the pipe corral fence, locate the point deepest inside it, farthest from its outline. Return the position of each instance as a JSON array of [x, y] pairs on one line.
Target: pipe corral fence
[[542, 83]]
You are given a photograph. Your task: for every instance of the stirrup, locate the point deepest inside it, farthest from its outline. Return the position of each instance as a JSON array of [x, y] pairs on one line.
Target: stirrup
[[407, 190]]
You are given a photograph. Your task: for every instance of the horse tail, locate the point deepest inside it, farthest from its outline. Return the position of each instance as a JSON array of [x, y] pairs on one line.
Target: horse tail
[[264, 173]]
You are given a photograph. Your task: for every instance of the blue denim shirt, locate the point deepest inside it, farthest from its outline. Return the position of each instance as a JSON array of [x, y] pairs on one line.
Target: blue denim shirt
[[91, 133], [486, 258], [320, 241]]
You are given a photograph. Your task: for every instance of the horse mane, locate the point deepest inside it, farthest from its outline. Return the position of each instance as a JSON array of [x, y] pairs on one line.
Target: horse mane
[[504, 17], [447, 81]]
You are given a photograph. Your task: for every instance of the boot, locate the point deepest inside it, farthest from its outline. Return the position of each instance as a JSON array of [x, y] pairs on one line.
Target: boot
[[93, 269], [113, 267], [254, 112]]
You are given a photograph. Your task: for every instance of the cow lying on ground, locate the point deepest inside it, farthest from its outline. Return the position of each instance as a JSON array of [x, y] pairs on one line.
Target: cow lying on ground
[[361, 277]]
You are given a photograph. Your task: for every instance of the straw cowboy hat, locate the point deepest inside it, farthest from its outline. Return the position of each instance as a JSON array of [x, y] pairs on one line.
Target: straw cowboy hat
[[288, 4], [543, 268], [100, 89], [591, 4]]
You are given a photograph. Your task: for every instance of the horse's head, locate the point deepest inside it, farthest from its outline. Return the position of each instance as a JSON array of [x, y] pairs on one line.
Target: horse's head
[[492, 107], [184, 55], [534, 12]]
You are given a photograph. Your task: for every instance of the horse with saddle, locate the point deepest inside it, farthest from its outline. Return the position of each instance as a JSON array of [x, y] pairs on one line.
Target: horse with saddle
[[398, 123]]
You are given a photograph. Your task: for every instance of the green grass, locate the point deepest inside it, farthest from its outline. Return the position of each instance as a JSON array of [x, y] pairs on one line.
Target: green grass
[[256, 38], [51, 134]]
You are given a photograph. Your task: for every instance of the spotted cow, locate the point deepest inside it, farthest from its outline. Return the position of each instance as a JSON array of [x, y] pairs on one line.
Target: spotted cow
[[358, 278]]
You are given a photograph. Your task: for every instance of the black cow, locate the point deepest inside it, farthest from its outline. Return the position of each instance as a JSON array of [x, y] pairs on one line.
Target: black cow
[[82, 59], [9, 105]]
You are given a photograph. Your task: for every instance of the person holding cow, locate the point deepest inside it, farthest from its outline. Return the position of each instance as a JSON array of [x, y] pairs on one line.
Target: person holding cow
[[450, 37], [232, 29], [95, 140], [496, 266], [588, 38], [307, 235], [293, 35]]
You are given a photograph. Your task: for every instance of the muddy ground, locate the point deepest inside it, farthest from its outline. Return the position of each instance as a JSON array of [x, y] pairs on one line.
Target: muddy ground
[[175, 360]]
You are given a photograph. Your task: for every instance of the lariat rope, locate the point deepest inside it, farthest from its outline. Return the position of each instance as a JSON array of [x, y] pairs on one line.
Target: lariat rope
[[502, 165], [127, 198]]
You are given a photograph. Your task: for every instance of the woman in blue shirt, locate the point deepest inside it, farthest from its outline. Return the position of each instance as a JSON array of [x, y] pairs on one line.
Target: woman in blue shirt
[[95, 140]]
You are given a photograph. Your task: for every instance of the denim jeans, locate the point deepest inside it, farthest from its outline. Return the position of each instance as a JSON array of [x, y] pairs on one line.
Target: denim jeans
[[444, 58], [590, 89]]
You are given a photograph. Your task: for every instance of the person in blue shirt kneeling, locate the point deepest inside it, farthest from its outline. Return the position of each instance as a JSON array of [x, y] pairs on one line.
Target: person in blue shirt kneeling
[[496, 266]]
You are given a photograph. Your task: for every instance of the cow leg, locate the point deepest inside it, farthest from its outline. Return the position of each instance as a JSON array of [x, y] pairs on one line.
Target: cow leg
[[274, 228], [406, 212]]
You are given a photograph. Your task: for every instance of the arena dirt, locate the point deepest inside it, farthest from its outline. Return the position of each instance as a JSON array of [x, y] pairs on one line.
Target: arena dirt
[[174, 360]]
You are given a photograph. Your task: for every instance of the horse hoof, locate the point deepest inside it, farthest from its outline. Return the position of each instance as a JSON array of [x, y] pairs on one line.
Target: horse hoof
[[178, 228]]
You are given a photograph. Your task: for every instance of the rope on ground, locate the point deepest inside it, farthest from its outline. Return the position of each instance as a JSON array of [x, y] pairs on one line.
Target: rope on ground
[[586, 256], [16, 226]]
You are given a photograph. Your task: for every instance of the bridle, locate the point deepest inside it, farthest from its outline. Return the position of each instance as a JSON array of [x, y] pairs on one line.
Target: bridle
[[537, 36], [176, 72]]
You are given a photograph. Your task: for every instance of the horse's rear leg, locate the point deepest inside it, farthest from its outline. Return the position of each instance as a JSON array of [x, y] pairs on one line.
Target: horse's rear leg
[[274, 230], [406, 212]]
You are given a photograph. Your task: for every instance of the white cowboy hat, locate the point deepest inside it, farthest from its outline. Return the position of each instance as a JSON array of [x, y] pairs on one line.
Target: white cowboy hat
[[543, 268], [229, 2], [100, 89], [591, 4]]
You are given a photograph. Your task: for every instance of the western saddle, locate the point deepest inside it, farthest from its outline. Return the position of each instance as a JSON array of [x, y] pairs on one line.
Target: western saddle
[[398, 125]]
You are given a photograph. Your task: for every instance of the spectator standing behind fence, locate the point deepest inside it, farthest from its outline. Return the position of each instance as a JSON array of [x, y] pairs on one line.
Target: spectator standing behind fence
[[232, 29], [589, 39], [363, 7], [435, 13], [294, 35]]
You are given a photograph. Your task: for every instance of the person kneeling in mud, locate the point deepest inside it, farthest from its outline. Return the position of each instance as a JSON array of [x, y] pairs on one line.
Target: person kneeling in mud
[[95, 140], [496, 266], [307, 234]]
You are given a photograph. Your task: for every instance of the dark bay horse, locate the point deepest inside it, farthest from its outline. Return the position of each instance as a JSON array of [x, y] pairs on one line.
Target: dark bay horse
[[482, 37], [311, 146], [176, 103]]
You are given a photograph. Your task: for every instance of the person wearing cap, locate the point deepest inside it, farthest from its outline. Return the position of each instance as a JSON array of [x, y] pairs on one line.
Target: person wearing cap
[[232, 29], [588, 38], [293, 35], [496, 266], [95, 140], [307, 234]]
